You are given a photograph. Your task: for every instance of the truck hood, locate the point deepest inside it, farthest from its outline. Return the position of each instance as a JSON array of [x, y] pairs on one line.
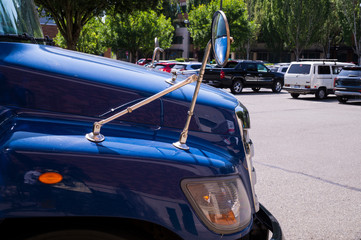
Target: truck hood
[[57, 81], [100, 70]]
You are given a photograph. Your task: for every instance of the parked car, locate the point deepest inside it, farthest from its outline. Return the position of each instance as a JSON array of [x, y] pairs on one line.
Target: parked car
[[144, 61], [189, 68], [348, 84], [281, 68], [92, 148], [164, 66], [240, 74], [313, 77]]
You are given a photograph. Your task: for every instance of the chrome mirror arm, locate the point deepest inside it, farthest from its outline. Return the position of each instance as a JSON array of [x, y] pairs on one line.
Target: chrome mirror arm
[[156, 50], [181, 144], [96, 136]]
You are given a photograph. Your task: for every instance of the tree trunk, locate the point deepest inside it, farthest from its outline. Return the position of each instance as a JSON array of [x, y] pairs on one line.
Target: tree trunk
[[248, 49], [71, 44]]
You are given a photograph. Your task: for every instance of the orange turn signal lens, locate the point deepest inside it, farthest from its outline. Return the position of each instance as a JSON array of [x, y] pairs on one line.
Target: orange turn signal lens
[[227, 218], [50, 177]]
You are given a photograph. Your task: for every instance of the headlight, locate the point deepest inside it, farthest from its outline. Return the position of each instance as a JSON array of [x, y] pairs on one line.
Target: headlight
[[221, 203]]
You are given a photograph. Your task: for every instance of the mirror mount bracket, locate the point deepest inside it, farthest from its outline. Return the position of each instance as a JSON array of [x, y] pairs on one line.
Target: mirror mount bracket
[[174, 77]]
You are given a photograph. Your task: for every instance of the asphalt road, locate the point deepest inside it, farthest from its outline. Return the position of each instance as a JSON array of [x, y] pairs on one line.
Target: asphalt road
[[308, 163]]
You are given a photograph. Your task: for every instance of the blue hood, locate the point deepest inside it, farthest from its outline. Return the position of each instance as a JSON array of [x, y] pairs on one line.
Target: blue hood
[[50, 79], [100, 70]]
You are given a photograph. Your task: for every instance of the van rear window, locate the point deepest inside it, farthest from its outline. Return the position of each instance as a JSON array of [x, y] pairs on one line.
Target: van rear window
[[299, 68]]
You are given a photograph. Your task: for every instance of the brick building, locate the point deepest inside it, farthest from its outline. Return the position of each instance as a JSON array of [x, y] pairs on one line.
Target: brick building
[[49, 27]]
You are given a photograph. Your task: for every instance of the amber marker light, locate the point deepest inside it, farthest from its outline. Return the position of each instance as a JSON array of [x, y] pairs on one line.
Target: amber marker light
[[221, 203], [50, 178]]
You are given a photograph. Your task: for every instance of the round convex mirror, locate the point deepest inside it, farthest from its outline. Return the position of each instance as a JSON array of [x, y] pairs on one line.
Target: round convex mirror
[[220, 38]]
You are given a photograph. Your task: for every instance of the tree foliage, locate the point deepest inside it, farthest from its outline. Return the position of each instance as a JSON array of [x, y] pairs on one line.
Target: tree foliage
[[297, 23], [92, 38], [350, 18], [169, 8], [193, 4], [331, 31], [71, 15], [136, 32], [200, 20], [270, 33]]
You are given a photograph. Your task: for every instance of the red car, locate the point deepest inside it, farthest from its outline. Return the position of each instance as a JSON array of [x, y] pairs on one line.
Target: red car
[[165, 66], [143, 61]]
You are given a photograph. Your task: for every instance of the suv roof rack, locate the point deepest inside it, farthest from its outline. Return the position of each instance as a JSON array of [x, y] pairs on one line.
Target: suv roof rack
[[318, 60]]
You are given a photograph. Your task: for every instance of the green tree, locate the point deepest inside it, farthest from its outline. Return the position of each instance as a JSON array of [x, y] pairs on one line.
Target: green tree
[[297, 23], [136, 32], [92, 38], [169, 8], [301, 22], [267, 15], [201, 19], [71, 15], [192, 4], [331, 32], [254, 27], [350, 16]]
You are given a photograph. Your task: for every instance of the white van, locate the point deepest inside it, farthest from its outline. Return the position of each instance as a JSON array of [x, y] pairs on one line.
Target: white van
[[312, 77]]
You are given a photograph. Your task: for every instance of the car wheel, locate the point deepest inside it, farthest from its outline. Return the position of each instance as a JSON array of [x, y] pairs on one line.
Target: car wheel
[[342, 99], [256, 89], [277, 86], [237, 87], [295, 95], [321, 93]]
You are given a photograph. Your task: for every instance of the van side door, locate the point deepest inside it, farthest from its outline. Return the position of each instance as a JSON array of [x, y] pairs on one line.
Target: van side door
[[324, 76]]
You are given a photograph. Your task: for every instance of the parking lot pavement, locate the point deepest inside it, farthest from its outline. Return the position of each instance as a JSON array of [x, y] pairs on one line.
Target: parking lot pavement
[[308, 163]]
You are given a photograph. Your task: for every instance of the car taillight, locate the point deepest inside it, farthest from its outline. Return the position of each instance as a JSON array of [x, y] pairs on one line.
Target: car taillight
[[334, 82], [222, 75]]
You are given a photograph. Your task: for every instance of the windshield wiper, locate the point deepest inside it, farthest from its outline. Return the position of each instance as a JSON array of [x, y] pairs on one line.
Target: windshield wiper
[[27, 37]]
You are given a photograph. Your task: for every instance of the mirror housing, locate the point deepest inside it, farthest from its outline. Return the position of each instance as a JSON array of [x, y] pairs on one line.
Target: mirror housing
[[221, 40]]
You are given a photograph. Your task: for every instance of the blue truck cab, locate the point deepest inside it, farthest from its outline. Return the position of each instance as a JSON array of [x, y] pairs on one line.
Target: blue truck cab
[[59, 182]]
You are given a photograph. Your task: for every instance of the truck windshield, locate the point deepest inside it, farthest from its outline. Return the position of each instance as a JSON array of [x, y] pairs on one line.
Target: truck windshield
[[18, 17], [351, 73], [299, 69]]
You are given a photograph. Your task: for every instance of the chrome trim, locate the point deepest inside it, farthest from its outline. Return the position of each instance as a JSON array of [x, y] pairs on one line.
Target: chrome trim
[[244, 124], [346, 93]]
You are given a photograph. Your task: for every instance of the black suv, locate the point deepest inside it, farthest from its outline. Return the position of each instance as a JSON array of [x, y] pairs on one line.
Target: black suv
[[348, 84], [237, 75]]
